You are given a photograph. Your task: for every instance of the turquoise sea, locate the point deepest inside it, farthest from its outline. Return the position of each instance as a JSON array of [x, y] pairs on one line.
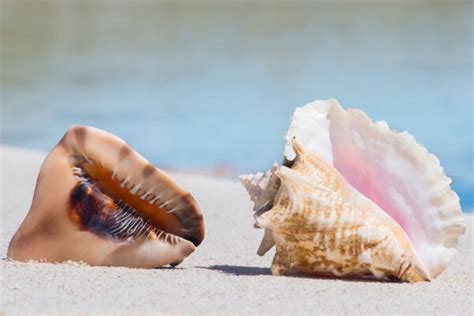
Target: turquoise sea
[[210, 86]]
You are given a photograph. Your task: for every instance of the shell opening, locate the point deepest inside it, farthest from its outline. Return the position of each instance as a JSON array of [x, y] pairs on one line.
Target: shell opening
[[110, 216], [151, 207]]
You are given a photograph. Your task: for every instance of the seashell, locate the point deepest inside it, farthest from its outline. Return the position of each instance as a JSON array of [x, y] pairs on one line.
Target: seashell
[[354, 198], [98, 201]]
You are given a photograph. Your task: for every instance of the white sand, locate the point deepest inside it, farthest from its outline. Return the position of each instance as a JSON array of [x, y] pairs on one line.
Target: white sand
[[224, 275]]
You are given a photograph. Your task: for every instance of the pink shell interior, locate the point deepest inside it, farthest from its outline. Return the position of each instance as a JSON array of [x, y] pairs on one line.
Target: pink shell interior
[[366, 174], [390, 169]]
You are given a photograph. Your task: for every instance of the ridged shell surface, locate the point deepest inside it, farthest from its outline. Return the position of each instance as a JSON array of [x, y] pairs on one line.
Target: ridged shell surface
[[373, 177]]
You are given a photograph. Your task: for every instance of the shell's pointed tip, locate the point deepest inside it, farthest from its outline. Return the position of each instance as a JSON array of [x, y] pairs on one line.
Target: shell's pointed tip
[[245, 179], [420, 276], [175, 264], [277, 172], [425, 275], [415, 272], [284, 173], [260, 252], [297, 147]]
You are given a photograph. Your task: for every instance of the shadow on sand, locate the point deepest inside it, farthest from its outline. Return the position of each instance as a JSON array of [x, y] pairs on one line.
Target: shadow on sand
[[239, 270], [254, 271]]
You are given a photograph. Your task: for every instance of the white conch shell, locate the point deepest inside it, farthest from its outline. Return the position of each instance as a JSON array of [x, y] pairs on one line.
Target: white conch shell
[[387, 167]]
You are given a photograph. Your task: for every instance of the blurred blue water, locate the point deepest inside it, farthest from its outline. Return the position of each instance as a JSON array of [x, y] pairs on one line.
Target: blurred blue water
[[194, 86]]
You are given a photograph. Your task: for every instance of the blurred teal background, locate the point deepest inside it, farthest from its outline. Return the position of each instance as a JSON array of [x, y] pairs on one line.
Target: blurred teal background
[[210, 87]]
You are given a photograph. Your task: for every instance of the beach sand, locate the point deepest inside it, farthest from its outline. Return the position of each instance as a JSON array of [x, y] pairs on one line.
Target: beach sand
[[223, 276]]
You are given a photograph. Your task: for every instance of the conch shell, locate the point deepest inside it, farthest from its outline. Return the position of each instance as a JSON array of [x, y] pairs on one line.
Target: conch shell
[[100, 202], [354, 198]]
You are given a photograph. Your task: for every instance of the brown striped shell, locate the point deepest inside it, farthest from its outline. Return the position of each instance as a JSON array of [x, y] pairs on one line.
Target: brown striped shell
[[98, 201]]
